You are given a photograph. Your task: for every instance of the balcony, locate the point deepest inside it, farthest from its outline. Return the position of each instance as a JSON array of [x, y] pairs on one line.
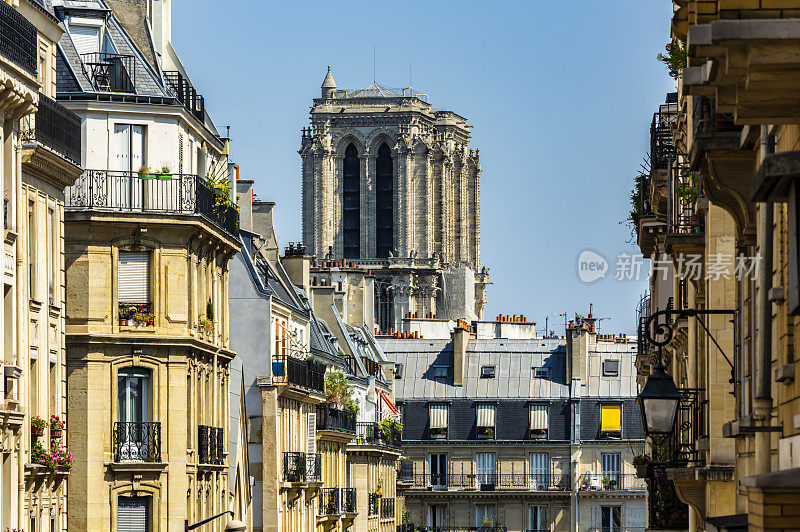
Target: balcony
[[348, 500], [301, 467], [611, 482], [330, 417], [298, 372], [210, 445], [329, 502], [373, 504], [137, 441], [377, 434], [662, 147], [110, 72], [186, 93], [491, 482], [387, 508], [131, 192], [373, 368], [18, 39], [54, 127]]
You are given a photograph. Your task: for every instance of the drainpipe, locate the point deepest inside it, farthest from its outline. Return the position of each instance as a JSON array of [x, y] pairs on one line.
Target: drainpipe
[[763, 384]]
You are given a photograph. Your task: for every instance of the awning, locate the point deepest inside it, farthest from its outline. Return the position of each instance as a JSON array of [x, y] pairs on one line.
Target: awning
[[387, 401], [539, 417], [611, 418], [486, 415], [438, 415]]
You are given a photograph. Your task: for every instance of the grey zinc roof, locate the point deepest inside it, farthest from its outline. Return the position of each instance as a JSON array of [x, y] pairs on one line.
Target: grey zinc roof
[[373, 91], [513, 360]]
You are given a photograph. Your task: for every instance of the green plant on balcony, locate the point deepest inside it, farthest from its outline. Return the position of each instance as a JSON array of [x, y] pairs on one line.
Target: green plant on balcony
[[221, 190], [675, 58], [210, 309], [145, 172], [37, 426], [339, 392], [165, 173], [387, 427], [379, 488], [688, 188], [636, 198]]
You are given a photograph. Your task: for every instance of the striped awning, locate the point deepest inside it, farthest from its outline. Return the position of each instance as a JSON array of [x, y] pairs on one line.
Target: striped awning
[[539, 417], [438, 415], [486, 415]]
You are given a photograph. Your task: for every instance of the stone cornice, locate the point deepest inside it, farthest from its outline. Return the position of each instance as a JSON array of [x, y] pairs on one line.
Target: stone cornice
[[49, 166]]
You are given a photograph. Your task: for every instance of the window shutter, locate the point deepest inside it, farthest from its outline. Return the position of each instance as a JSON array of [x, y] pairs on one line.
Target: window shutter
[[133, 277], [486, 415], [611, 418], [132, 514], [86, 39], [311, 444], [539, 417], [438, 416]]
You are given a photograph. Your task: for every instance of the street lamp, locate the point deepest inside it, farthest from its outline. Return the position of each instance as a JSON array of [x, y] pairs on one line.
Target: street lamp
[[234, 525], [658, 402]]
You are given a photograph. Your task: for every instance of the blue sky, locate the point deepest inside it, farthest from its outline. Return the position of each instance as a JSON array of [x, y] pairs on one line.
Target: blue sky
[[560, 95]]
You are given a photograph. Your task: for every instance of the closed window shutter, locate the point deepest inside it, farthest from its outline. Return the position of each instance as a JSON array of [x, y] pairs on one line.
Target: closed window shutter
[[132, 514], [610, 418], [311, 446], [486, 415], [133, 277], [438, 416], [539, 417], [86, 39]]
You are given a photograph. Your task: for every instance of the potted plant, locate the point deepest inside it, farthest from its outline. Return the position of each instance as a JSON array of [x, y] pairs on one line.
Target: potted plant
[[61, 459], [56, 427], [641, 463], [675, 58], [165, 174], [37, 426], [126, 315], [38, 454], [606, 481], [379, 488], [145, 172]]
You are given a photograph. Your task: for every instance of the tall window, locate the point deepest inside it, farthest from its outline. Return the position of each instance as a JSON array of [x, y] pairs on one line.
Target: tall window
[[133, 514], [438, 469], [125, 191], [539, 468], [32, 249], [611, 518], [133, 278], [485, 465], [537, 519], [133, 386], [437, 427], [384, 304], [610, 466], [484, 515], [351, 203], [437, 515], [384, 202], [51, 248]]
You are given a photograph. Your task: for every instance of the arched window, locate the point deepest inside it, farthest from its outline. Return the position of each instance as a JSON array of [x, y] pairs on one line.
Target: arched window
[[351, 203], [384, 200]]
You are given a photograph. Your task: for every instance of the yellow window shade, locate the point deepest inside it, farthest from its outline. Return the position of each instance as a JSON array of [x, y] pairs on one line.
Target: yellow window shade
[[611, 418]]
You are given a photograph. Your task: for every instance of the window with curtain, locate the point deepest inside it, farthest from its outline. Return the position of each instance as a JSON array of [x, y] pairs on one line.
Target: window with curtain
[[611, 420], [537, 519], [484, 515], [539, 471], [485, 466], [539, 421], [125, 189], [611, 517], [438, 413], [486, 420]]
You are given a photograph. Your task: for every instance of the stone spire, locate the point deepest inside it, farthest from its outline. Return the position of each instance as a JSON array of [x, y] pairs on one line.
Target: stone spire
[[328, 85]]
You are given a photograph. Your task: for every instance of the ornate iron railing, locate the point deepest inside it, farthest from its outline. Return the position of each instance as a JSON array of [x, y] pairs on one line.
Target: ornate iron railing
[[491, 481], [405, 471], [137, 441], [349, 500], [111, 190], [373, 504], [387, 508], [685, 188], [17, 38], [377, 434], [110, 72], [299, 372], [55, 127], [210, 445], [706, 120], [662, 146], [610, 482], [329, 417], [329, 502], [301, 467], [666, 511], [186, 93]]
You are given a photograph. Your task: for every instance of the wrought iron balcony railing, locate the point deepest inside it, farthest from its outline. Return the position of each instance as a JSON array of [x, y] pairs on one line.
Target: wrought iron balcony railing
[[110, 72], [123, 191], [387, 507], [405, 471], [329, 501], [491, 481], [377, 434], [349, 500], [706, 120], [685, 188], [137, 441], [373, 504], [373, 368], [17, 38], [301, 467], [662, 146], [329, 417], [610, 481], [186, 93], [55, 127], [299, 372], [210, 445]]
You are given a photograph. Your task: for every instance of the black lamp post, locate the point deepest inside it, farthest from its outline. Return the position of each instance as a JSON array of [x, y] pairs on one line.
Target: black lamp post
[[659, 401], [233, 526]]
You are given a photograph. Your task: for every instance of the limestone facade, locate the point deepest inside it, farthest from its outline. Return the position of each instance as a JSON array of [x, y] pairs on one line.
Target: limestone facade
[[390, 184], [36, 166]]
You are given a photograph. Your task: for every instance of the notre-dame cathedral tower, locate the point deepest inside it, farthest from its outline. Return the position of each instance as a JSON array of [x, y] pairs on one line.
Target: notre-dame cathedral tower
[[390, 184]]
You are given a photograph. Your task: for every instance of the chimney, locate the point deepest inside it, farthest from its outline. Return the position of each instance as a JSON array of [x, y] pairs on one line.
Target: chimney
[[460, 339], [262, 225], [298, 268], [244, 199]]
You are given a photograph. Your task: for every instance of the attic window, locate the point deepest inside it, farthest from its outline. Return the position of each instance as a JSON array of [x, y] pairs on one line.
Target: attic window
[[611, 368], [398, 371], [439, 372], [487, 372]]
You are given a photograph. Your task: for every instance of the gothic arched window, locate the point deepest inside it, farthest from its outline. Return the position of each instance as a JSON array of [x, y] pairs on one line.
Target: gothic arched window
[[384, 202], [351, 203]]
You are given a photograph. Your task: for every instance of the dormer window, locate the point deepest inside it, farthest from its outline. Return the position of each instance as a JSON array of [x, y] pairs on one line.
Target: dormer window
[[611, 368], [398, 371], [541, 373], [486, 420], [487, 372], [440, 372]]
